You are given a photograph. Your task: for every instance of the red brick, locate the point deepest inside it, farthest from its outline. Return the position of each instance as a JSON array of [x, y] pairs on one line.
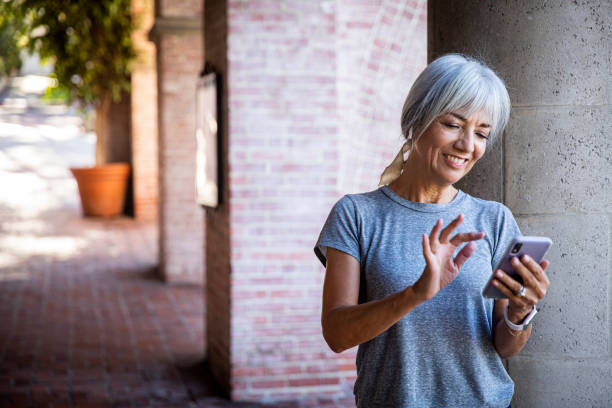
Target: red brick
[[283, 370], [249, 372], [268, 384]]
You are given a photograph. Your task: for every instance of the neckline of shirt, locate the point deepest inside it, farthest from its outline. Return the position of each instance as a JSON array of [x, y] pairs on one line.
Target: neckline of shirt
[[425, 207]]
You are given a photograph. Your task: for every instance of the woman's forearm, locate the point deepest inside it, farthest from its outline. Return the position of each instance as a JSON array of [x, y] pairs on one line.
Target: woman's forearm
[[345, 327], [507, 341]]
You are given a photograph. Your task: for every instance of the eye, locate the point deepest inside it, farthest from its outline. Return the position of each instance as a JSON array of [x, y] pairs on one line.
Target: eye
[[451, 125], [483, 135]]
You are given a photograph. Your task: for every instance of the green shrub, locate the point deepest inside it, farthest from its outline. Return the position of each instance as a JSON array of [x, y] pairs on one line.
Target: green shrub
[[10, 62], [56, 94], [88, 41]]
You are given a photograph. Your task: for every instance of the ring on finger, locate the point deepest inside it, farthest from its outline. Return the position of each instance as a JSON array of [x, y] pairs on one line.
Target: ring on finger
[[521, 293]]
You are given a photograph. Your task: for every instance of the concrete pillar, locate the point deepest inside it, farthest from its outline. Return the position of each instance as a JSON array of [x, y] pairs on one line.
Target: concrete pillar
[[180, 51], [552, 168]]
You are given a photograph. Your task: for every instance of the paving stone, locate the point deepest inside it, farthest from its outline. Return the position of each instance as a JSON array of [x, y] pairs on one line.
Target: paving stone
[[87, 321]]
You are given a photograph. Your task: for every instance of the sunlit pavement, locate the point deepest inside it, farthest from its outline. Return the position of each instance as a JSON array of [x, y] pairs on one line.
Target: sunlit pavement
[[84, 322]]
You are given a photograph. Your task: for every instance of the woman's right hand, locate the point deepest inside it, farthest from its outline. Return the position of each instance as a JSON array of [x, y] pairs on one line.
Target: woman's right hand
[[438, 249]]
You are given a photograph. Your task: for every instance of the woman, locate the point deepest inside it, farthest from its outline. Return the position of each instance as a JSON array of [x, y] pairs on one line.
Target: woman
[[397, 283]]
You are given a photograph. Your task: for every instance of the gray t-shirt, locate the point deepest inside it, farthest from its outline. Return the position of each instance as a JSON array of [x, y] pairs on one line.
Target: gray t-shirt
[[441, 354]]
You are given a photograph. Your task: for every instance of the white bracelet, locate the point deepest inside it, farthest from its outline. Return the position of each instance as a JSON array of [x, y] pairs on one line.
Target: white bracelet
[[524, 324]]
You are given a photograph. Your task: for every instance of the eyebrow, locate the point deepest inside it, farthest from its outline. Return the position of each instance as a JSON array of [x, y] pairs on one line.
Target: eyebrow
[[458, 116]]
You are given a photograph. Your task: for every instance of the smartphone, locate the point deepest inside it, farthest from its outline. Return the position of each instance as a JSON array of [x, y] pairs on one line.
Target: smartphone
[[535, 247]]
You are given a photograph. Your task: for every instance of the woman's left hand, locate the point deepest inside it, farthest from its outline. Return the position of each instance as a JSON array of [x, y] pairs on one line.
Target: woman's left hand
[[534, 279]]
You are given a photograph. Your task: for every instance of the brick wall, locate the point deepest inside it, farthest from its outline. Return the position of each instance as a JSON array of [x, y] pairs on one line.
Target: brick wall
[[181, 218], [282, 158], [179, 44], [298, 75], [144, 115], [180, 8], [381, 50]]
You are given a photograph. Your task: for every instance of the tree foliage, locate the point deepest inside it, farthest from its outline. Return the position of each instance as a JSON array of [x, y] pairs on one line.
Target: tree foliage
[[9, 45], [88, 41]]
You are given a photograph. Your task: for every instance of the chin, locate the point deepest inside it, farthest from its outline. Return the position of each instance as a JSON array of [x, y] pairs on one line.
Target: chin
[[450, 180]]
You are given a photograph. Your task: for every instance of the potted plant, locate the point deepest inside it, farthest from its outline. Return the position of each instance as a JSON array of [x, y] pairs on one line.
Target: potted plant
[[89, 43]]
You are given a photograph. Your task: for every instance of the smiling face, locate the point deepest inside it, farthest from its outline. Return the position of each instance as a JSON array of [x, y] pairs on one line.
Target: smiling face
[[450, 146]]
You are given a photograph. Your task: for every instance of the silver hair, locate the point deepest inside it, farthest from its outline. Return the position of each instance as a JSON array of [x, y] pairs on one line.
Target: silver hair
[[455, 82]]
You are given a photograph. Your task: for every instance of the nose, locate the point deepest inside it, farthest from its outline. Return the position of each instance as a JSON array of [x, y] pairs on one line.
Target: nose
[[465, 141]]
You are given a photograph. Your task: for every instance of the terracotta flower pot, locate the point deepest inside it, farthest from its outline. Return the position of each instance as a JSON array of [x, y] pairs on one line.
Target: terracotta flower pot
[[102, 188]]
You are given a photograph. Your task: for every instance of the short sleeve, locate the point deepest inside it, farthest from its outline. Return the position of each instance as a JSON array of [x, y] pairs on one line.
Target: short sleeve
[[507, 230], [340, 231]]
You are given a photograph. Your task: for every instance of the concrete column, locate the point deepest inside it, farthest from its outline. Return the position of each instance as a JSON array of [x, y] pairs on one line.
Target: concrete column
[[552, 168]]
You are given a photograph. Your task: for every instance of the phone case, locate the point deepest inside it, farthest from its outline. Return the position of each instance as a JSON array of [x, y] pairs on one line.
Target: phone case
[[535, 247]]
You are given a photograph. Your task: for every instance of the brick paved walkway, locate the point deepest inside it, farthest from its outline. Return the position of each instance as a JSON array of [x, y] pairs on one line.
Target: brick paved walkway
[[84, 322]]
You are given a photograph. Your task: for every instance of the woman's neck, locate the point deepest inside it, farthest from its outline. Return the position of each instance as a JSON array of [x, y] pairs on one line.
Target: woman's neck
[[414, 188]]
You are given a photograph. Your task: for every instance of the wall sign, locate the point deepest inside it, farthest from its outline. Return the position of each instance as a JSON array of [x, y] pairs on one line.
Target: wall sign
[[207, 127]]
